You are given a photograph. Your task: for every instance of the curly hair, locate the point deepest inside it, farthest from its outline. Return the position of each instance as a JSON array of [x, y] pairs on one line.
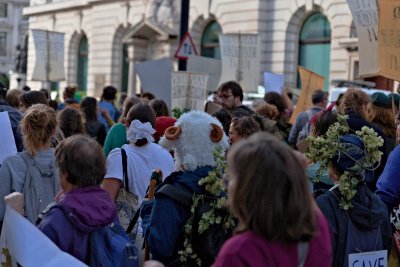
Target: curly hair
[[70, 121], [354, 101], [38, 125], [245, 126]]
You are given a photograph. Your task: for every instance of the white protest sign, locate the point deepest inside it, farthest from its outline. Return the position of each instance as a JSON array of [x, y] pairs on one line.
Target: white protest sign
[[206, 65], [7, 143], [365, 15], [49, 56], [21, 242], [189, 90], [240, 56], [373, 258], [155, 77], [273, 82]]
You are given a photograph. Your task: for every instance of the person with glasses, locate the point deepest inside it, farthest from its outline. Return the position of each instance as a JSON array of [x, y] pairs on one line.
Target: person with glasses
[[230, 96]]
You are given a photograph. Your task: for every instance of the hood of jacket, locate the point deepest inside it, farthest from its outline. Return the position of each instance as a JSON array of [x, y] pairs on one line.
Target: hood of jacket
[[190, 179], [367, 209], [88, 208]]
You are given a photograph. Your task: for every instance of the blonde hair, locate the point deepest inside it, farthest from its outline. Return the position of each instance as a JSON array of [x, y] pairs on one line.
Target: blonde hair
[[38, 125]]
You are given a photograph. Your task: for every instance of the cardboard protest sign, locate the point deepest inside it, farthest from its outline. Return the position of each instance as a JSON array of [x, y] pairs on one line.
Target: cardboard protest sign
[[240, 57], [273, 82], [365, 15], [189, 90], [389, 39], [206, 65], [7, 144], [310, 81], [373, 258], [155, 77], [21, 242], [49, 59]]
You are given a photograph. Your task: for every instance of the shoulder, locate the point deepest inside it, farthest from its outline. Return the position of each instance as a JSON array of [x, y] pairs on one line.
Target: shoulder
[[15, 163]]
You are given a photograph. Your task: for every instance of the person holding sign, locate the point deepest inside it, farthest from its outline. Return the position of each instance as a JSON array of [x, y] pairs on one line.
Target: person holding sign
[[358, 219]]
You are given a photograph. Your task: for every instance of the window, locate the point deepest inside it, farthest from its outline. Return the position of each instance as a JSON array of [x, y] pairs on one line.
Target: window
[[3, 43], [83, 52], [315, 46], [210, 41], [3, 10]]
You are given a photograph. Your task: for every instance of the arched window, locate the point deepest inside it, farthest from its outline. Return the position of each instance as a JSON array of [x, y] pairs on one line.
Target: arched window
[[210, 41], [83, 52], [315, 46]]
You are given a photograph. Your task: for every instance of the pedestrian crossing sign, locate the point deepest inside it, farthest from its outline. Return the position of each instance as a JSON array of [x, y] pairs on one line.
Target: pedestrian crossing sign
[[186, 47]]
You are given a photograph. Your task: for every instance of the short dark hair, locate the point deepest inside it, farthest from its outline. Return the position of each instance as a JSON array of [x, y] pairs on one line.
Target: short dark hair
[[256, 193], [235, 88], [144, 113], [109, 92], [160, 107], [82, 159], [147, 95], [45, 92], [276, 99], [324, 120], [33, 97], [318, 96]]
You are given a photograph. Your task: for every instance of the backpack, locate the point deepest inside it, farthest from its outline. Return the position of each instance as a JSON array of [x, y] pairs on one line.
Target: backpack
[[111, 246], [207, 244], [40, 187]]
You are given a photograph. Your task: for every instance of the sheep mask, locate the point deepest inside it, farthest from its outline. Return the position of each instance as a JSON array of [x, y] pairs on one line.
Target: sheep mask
[[194, 137]]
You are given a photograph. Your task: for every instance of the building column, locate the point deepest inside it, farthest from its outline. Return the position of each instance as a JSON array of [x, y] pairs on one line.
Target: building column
[[137, 50]]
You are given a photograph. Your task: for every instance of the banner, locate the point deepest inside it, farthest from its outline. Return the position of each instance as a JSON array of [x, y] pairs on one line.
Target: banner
[[7, 144], [189, 90], [240, 57], [365, 15], [389, 39], [273, 82], [155, 77], [310, 81], [206, 65], [49, 59], [21, 242]]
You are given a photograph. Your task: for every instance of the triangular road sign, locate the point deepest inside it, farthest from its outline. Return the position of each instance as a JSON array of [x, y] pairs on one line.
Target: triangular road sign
[[186, 47]]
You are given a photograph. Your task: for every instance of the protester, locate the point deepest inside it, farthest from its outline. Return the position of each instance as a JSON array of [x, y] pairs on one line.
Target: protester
[[15, 117], [146, 97], [275, 228], [319, 101], [33, 171], [242, 128], [224, 118], [143, 156], [354, 104], [70, 121], [116, 137], [13, 97], [106, 105], [160, 107], [358, 219], [381, 115], [93, 127], [83, 206], [194, 139], [163, 118], [282, 124], [69, 97]]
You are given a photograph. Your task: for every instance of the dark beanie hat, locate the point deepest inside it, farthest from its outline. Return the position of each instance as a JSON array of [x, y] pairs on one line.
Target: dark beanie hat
[[396, 98], [351, 153], [381, 100]]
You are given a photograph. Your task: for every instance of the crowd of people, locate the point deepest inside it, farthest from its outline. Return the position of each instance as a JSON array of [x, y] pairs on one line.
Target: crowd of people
[[309, 193]]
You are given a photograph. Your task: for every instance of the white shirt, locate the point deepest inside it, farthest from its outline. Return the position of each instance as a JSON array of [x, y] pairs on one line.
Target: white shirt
[[141, 161]]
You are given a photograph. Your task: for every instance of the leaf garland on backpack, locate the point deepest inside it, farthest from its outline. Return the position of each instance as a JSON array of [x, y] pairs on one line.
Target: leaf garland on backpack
[[214, 186], [323, 149]]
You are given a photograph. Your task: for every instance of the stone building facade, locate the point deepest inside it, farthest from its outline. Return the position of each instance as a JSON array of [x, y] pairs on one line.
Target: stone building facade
[[13, 27], [105, 38]]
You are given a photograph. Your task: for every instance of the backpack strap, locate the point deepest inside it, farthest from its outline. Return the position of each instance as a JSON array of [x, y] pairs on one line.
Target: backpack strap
[[302, 249], [125, 169], [176, 193]]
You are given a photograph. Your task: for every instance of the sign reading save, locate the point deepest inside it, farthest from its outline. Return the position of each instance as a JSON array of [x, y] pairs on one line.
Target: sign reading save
[[373, 259], [186, 47]]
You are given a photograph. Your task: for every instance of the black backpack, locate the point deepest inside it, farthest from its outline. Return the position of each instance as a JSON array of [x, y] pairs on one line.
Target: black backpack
[[207, 244]]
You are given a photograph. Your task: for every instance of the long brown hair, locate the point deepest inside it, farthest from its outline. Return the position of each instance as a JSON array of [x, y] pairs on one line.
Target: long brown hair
[[383, 118], [270, 194]]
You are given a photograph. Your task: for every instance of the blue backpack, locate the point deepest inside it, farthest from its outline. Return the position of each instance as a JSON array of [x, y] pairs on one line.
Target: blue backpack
[[111, 246]]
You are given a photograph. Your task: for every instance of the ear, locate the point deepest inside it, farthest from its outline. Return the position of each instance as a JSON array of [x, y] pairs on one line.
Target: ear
[[216, 133], [173, 132]]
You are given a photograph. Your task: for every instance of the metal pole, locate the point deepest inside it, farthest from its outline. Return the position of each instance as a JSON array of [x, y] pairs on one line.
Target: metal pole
[[185, 4]]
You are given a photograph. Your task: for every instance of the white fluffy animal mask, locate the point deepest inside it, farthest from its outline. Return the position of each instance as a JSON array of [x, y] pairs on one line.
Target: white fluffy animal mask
[[194, 137]]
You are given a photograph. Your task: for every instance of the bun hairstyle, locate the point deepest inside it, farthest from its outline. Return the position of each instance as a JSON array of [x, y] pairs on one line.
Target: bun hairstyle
[[38, 125]]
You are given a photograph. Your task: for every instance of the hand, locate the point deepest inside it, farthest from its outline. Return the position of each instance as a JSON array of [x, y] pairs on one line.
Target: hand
[[16, 201]]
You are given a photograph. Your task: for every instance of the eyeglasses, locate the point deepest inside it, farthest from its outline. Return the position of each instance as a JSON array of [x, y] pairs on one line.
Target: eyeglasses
[[224, 96]]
